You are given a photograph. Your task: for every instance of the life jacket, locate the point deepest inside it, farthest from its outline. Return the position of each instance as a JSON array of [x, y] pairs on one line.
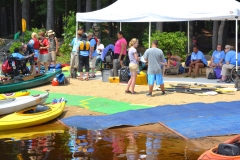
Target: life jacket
[[6, 68], [84, 45], [36, 44], [96, 40]]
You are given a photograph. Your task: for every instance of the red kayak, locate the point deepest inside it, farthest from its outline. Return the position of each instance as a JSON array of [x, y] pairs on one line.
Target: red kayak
[[229, 150]]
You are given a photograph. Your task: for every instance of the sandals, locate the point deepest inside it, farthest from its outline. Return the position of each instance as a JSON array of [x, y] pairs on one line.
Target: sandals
[[80, 79], [126, 92], [134, 92], [86, 79], [92, 76]]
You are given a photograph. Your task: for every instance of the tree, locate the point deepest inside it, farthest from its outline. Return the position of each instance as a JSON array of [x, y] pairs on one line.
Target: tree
[[88, 9], [15, 16], [220, 32], [25, 12], [50, 15], [79, 5], [159, 26], [215, 35]]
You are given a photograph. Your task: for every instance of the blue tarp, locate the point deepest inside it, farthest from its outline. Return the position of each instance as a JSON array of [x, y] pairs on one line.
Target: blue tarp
[[193, 120]]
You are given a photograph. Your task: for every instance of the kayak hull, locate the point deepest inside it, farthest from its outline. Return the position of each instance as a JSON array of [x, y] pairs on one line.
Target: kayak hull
[[11, 105], [21, 119], [212, 155], [13, 95], [23, 85]]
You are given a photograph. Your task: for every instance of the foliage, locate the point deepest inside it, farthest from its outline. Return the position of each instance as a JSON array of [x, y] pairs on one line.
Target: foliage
[[68, 35], [28, 34], [14, 45], [174, 42], [2, 42]]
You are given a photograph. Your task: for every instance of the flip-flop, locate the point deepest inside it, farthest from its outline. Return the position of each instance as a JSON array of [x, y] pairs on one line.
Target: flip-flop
[[92, 76]]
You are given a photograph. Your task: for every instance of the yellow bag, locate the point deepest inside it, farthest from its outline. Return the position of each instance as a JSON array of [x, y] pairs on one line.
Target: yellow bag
[[84, 46]]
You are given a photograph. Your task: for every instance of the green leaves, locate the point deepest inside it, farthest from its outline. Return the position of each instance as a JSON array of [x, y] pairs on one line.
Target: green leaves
[[15, 45], [174, 42]]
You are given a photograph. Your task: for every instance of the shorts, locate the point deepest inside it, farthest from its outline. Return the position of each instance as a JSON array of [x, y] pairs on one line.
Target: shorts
[[116, 56], [201, 62], [133, 67], [52, 56], [155, 77], [31, 60], [43, 57], [92, 62], [174, 63], [74, 62]]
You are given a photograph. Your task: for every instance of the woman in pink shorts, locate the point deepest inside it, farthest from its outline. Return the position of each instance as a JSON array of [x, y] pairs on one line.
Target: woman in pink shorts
[[172, 60]]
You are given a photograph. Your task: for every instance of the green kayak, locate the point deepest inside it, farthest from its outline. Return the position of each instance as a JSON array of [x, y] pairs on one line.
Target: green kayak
[[23, 85]]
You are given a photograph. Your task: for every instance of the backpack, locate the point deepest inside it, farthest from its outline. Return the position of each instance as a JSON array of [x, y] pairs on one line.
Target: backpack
[[188, 61], [109, 56], [96, 40], [181, 70], [6, 68], [36, 43], [84, 45]]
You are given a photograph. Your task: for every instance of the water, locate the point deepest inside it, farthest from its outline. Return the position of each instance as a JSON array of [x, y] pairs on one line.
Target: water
[[52, 144]]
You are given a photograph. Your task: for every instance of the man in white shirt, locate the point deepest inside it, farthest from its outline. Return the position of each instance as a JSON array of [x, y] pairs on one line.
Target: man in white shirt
[[100, 48]]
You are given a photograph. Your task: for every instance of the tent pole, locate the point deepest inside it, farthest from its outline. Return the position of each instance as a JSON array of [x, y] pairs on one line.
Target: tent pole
[[188, 39], [149, 35], [120, 26], [236, 47]]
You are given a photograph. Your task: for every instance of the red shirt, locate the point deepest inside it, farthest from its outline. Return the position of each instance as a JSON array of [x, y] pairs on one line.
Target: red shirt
[[45, 43]]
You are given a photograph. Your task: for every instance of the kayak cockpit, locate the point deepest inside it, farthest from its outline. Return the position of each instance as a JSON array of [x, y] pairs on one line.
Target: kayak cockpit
[[38, 109]]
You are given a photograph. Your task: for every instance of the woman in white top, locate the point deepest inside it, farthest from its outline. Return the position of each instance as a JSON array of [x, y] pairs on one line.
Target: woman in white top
[[133, 66]]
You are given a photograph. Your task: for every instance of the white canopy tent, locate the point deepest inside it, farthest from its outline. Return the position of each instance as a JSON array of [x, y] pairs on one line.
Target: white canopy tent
[[165, 11]]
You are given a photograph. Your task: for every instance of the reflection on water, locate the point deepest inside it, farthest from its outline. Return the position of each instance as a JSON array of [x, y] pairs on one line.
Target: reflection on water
[[97, 145]]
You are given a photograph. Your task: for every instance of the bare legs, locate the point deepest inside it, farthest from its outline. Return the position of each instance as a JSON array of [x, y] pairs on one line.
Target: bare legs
[[132, 82], [196, 67]]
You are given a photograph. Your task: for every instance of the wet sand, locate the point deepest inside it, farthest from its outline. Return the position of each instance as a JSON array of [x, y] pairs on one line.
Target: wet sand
[[117, 92]]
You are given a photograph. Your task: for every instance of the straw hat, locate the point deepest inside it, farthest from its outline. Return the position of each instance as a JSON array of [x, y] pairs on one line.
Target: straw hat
[[50, 32]]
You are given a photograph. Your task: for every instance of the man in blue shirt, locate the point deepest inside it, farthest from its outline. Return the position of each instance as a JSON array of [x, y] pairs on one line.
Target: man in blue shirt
[[198, 60], [29, 51], [230, 62], [74, 61], [92, 53]]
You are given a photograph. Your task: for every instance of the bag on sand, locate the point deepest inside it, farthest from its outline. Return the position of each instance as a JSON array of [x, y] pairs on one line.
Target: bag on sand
[[210, 73], [124, 75]]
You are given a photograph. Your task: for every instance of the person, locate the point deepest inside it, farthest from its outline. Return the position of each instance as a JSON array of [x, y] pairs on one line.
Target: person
[[100, 48], [217, 57], [154, 56], [194, 41], [163, 66], [92, 54], [35, 43], [43, 50], [172, 60], [230, 62], [29, 51], [133, 66], [120, 48], [83, 50], [74, 62], [198, 60], [53, 47], [16, 54], [81, 32], [17, 35]]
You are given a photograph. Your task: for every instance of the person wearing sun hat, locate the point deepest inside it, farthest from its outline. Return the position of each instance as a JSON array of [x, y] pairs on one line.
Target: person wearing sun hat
[[53, 47]]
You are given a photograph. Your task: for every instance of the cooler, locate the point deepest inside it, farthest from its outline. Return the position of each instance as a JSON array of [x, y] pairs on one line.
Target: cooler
[[114, 79], [141, 79], [106, 73]]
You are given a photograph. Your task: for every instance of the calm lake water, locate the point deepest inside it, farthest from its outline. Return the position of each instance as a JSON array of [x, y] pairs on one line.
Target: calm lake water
[[64, 144]]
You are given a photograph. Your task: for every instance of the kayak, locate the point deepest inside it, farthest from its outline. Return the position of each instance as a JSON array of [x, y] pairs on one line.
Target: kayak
[[13, 95], [226, 90], [32, 116], [10, 105], [29, 83], [32, 132], [229, 150]]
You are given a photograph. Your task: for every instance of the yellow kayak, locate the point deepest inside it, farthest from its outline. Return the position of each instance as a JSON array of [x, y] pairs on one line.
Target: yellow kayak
[[13, 95], [32, 116], [33, 132]]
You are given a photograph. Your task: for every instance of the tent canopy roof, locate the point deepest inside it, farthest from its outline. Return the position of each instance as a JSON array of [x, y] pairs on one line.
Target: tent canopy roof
[[163, 11]]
